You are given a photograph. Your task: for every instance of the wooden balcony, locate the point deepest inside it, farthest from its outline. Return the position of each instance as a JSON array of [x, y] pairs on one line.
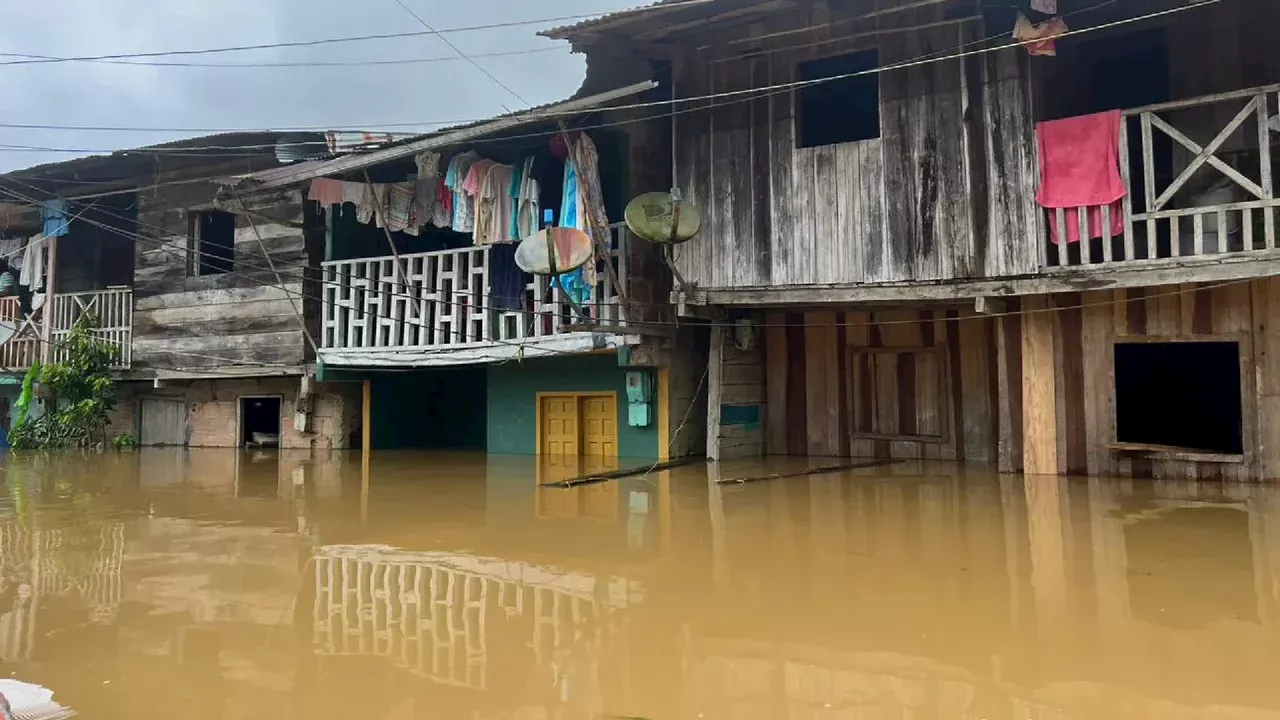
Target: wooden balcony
[[112, 310], [1200, 187], [439, 309]]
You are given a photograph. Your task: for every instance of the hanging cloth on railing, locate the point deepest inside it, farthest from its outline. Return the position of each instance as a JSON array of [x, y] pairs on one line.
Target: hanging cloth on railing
[[54, 214], [1080, 168], [31, 272]]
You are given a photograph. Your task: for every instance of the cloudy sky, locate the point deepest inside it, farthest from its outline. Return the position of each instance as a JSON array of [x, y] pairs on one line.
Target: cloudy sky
[[196, 100]]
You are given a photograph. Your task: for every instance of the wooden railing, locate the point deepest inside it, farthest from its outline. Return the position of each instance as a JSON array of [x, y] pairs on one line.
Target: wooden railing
[[445, 299], [1199, 181], [112, 310]]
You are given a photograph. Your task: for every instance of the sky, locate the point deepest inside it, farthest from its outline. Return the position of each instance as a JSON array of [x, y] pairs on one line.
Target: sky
[[103, 94]]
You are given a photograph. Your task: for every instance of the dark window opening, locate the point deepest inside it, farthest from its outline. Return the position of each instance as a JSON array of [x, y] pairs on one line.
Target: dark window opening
[[212, 242], [839, 111], [1180, 394], [260, 422]]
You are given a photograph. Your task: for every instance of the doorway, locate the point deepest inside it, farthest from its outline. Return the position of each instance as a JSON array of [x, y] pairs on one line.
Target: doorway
[[577, 436], [260, 421], [162, 421]]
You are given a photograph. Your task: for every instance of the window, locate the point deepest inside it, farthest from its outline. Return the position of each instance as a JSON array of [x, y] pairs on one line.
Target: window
[[899, 394], [1180, 395], [839, 111], [211, 242]]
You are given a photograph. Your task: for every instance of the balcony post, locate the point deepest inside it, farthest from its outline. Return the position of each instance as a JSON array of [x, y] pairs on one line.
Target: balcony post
[[46, 324]]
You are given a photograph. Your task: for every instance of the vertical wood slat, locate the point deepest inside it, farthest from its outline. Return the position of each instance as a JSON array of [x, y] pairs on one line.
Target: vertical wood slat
[[1264, 164], [1127, 203], [1223, 235], [1107, 237], [1060, 216], [1149, 181], [1246, 225], [1083, 233], [1198, 221]]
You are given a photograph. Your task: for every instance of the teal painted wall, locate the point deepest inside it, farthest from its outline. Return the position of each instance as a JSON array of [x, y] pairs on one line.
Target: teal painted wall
[[429, 409], [513, 401]]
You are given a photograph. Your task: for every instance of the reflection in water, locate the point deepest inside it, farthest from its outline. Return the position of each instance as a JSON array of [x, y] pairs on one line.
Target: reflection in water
[[218, 584]]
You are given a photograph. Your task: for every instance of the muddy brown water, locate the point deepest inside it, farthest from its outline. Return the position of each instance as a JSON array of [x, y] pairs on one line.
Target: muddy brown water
[[216, 584]]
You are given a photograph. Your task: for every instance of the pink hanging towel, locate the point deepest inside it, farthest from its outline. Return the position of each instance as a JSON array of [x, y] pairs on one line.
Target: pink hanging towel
[[1080, 167]]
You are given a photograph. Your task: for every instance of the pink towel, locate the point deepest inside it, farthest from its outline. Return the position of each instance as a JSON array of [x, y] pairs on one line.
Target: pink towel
[[1080, 167], [326, 192]]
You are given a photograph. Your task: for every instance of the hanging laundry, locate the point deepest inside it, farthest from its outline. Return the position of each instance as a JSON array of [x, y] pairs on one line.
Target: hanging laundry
[[569, 197], [424, 199], [54, 214], [496, 203], [399, 207], [507, 281], [373, 203], [31, 272], [463, 219], [513, 196], [591, 217], [1080, 167], [442, 215], [353, 192], [1048, 7], [1038, 39], [472, 188], [326, 191], [11, 249], [527, 203]]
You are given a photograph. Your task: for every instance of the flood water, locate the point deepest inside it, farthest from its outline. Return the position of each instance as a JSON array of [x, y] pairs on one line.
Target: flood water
[[216, 584]]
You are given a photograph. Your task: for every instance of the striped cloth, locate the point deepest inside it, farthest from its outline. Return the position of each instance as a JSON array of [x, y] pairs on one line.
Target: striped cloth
[[7, 282]]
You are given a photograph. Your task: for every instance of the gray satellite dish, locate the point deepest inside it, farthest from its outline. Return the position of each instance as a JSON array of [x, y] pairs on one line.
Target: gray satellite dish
[[661, 218]]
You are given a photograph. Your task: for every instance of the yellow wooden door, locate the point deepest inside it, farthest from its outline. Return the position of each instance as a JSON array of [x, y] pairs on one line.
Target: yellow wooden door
[[560, 429], [600, 427], [599, 455]]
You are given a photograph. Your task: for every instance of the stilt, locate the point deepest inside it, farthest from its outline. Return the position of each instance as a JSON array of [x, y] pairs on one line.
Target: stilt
[[366, 446], [1039, 400]]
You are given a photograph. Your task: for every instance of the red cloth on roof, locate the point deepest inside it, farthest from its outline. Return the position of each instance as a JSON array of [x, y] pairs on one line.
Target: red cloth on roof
[[1080, 167]]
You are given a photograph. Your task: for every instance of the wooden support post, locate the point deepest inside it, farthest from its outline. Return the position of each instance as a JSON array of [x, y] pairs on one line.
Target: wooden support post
[[51, 277], [1009, 392], [1048, 553], [1039, 401], [366, 446], [715, 390]]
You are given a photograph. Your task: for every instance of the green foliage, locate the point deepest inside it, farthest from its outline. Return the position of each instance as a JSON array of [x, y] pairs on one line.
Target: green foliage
[[79, 394], [124, 441]]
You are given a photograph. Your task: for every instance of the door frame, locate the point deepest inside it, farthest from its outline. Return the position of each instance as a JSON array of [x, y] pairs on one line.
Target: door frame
[[140, 401], [577, 396], [240, 416]]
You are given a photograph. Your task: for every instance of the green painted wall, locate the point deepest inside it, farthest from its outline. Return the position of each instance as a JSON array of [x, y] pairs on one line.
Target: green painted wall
[[430, 409], [513, 406]]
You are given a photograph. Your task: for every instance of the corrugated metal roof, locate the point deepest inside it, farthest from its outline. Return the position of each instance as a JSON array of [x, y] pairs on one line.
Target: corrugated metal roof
[[301, 172], [567, 31]]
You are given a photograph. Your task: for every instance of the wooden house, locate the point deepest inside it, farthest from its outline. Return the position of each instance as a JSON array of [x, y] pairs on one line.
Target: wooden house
[[451, 352], [885, 279], [205, 305]]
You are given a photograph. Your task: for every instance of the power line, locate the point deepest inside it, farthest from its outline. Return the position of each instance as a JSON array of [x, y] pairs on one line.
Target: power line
[[29, 59], [746, 95], [463, 55], [307, 63]]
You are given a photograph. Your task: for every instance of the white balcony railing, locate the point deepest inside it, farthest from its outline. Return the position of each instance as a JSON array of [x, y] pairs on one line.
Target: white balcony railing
[[1199, 178], [443, 300], [112, 310]]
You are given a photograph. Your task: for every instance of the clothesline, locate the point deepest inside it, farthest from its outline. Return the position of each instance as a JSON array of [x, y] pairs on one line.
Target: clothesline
[[493, 202]]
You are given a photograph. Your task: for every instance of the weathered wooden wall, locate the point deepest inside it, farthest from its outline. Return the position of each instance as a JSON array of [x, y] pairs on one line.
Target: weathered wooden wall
[[236, 319], [735, 400], [885, 383], [1085, 329], [946, 191]]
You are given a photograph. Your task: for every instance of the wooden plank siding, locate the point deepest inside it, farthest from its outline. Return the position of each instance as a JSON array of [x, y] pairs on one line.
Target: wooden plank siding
[[242, 318], [945, 191], [897, 383]]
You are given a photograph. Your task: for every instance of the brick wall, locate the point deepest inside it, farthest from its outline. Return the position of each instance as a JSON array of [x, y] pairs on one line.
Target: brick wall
[[213, 410]]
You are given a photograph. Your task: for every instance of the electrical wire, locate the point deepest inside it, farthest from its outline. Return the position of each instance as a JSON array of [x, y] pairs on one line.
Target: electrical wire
[[28, 59], [749, 94], [709, 324], [464, 56], [308, 63]]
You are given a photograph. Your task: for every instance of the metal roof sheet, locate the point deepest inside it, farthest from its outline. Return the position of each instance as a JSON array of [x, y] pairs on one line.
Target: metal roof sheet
[[567, 31]]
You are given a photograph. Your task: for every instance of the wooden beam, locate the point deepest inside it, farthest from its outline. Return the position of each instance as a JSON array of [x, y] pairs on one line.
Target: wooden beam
[[715, 391], [1039, 397], [984, 305], [1141, 274]]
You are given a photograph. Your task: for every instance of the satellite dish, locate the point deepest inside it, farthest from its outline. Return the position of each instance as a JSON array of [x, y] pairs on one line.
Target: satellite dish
[[660, 218], [572, 251]]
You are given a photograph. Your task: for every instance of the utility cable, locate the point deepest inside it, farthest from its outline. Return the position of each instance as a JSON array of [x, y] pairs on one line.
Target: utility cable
[[749, 93], [464, 56]]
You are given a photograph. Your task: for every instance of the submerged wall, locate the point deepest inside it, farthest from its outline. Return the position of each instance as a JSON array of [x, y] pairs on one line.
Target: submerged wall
[[513, 401], [442, 409]]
